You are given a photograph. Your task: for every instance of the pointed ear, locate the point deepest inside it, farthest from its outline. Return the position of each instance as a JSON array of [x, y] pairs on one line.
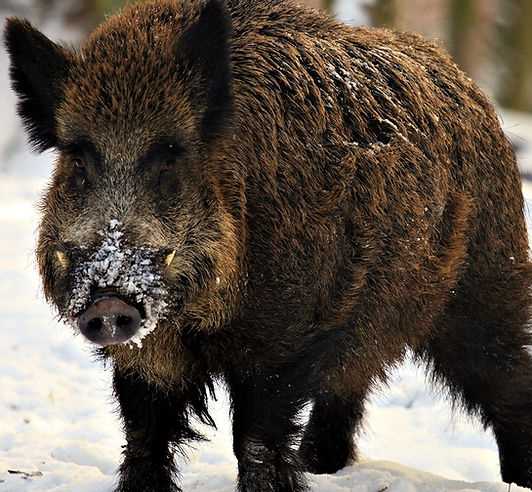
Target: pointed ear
[[38, 69], [204, 47]]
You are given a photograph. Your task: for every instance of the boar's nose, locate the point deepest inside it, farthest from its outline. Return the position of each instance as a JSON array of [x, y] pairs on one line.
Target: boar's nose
[[109, 321]]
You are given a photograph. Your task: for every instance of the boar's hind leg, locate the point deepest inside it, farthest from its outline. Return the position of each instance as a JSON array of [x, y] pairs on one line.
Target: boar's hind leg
[[482, 354], [264, 431], [155, 423], [327, 444]]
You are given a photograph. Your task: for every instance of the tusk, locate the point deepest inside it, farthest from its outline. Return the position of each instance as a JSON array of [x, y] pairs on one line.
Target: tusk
[[62, 259], [170, 258]]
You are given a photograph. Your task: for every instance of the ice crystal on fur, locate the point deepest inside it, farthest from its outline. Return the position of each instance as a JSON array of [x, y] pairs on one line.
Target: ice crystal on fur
[[131, 271]]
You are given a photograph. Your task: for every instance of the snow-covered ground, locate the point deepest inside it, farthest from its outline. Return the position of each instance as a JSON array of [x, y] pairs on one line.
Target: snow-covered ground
[[59, 432]]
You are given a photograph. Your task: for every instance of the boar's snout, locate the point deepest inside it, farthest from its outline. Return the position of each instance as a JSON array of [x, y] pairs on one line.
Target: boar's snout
[[109, 321]]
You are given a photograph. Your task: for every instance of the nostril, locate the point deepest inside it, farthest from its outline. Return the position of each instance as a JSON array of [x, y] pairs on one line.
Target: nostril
[[123, 321], [94, 325]]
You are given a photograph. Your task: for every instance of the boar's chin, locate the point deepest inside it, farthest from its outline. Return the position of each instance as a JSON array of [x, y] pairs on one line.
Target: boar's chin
[[132, 273]]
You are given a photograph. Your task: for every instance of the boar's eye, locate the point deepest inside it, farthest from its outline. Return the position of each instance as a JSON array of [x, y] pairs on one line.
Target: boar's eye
[[80, 172], [162, 161], [170, 155]]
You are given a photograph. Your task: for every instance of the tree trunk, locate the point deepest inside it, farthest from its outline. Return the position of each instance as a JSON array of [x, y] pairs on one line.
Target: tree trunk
[[383, 13], [515, 89], [472, 28]]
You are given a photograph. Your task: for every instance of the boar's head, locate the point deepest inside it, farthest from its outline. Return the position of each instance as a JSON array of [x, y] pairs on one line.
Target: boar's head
[[137, 230]]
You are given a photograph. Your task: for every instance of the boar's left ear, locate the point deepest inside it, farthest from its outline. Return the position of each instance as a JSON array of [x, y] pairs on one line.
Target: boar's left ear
[[204, 46], [38, 68]]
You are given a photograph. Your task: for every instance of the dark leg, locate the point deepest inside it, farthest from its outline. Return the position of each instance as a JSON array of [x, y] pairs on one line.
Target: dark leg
[[156, 424], [481, 354], [264, 431], [327, 444]]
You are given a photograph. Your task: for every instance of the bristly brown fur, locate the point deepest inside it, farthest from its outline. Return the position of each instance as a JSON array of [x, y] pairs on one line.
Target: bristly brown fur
[[343, 195]]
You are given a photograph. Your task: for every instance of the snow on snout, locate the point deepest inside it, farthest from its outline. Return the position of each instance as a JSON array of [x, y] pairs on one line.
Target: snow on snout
[[133, 272]]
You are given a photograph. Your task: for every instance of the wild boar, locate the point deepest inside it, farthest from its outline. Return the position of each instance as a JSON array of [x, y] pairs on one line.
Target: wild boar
[[250, 191]]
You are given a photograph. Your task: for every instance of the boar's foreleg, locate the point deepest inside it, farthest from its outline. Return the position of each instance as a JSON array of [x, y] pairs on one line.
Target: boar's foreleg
[[265, 428], [327, 444], [156, 423]]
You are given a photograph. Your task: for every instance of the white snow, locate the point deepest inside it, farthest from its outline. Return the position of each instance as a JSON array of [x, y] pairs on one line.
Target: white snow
[[352, 11], [518, 127]]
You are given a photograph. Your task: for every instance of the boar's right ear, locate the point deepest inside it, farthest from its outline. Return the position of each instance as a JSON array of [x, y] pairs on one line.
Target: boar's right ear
[[38, 68], [204, 47]]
